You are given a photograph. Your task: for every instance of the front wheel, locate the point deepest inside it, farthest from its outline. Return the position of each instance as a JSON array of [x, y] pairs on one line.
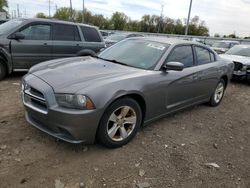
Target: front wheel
[[119, 123], [218, 94]]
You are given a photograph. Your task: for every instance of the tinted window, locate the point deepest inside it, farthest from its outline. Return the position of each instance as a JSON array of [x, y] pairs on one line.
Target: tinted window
[[90, 34], [182, 54], [37, 32], [203, 56], [64, 32]]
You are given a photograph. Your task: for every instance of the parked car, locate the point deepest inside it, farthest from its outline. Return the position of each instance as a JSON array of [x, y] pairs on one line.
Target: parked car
[[222, 46], [3, 21], [112, 39], [240, 55], [105, 34], [108, 97], [26, 42]]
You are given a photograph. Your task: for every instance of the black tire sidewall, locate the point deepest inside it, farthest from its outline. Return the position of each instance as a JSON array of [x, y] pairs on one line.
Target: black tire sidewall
[[3, 70], [212, 101], [102, 135]]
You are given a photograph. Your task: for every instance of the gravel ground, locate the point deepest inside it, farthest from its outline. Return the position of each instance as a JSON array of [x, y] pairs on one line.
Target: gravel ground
[[170, 152]]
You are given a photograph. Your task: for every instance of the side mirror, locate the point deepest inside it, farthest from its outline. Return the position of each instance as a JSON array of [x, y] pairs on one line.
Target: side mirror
[[17, 36], [176, 66]]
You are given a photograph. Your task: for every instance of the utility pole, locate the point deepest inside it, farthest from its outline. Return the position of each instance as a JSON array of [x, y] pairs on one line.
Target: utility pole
[[49, 8], [71, 12], [189, 12], [159, 25], [82, 11], [18, 14]]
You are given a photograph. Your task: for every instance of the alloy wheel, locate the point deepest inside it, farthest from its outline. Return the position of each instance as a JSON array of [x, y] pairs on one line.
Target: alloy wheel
[[121, 123], [219, 92]]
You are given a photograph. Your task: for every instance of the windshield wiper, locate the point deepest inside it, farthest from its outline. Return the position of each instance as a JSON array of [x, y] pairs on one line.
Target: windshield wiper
[[110, 60]]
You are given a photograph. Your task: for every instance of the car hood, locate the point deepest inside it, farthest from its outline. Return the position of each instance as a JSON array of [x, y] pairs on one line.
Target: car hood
[[73, 74], [241, 59], [222, 50]]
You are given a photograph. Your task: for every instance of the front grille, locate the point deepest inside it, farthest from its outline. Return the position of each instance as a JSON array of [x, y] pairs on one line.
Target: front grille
[[35, 98], [237, 66]]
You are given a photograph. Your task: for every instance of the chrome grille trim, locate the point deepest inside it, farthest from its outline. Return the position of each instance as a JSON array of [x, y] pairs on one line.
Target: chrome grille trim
[[34, 99]]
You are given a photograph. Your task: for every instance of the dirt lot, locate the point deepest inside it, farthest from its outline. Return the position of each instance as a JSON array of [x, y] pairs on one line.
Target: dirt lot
[[171, 152]]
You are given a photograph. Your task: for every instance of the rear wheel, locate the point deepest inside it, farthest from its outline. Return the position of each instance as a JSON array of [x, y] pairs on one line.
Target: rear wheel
[[218, 94], [3, 70], [119, 123]]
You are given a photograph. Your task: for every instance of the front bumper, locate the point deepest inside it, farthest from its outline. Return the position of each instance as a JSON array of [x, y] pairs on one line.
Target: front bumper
[[74, 126], [240, 73]]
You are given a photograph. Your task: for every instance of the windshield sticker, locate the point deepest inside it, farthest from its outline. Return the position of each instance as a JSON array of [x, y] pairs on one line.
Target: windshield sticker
[[156, 46]]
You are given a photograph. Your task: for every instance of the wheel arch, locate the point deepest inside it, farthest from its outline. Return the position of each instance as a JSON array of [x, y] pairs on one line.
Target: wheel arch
[[86, 52], [138, 97], [225, 78]]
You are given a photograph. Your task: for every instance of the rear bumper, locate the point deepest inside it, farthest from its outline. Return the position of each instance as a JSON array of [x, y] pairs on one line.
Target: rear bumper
[[70, 125]]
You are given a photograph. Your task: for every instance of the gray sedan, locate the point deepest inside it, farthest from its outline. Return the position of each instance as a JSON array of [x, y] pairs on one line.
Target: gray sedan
[[109, 96]]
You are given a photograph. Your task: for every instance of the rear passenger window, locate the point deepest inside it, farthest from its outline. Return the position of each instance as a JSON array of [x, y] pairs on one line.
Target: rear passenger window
[[203, 55], [90, 34], [64, 32], [182, 54]]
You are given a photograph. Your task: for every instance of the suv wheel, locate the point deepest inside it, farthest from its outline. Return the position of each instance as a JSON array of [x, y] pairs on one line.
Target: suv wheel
[[3, 70], [119, 123], [218, 94]]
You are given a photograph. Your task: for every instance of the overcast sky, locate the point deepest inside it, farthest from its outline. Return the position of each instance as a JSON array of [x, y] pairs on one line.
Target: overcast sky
[[221, 16]]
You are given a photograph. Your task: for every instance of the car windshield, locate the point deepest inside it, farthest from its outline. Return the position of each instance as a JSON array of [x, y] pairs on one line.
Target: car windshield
[[137, 53], [6, 27], [221, 44], [239, 50], [116, 37]]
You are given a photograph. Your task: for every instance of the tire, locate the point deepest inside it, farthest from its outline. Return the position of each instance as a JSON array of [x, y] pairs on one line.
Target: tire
[[3, 70], [218, 93], [120, 122]]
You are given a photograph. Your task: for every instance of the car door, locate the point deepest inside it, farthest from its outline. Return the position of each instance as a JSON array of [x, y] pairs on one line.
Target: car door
[[66, 40], [34, 48], [182, 85], [207, 71]]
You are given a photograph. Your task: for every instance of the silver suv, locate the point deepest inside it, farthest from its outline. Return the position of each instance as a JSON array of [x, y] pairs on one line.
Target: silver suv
[[26, 42]]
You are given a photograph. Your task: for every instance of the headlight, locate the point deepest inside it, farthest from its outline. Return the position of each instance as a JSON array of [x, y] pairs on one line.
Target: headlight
[[74, 101]]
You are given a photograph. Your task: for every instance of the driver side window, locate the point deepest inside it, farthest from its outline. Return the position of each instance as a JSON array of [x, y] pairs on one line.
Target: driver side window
[[182, 54], [37, 32]]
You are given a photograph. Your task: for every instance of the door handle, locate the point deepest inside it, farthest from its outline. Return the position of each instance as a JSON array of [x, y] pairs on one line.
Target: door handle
[[45, 44], [77, 44]]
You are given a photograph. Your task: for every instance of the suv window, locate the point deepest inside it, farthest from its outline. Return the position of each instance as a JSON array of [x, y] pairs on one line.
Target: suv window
[[37, 32], [90, 34], [203, 56], [182, 54], [64, 32]]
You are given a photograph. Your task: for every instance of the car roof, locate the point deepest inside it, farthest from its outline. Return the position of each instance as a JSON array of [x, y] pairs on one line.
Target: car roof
[[166, 40], [243, 45], [56, 21], [229, 41]]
